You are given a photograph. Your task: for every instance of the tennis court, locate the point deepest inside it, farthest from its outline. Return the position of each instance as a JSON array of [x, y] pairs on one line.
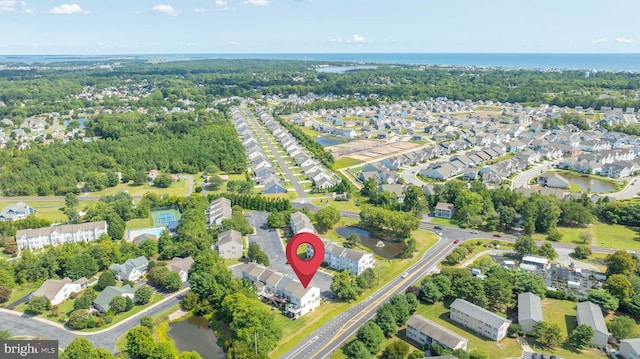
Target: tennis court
[[165, 218]]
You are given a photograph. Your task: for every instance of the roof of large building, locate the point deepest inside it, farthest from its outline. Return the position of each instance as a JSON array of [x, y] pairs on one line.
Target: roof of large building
[[443, 206], [281, 282], [529, 307], [67, 228], [433, 330], [51, 287], [634, 343], [229, 236], [14, 210], [180, 264], [479, 313], [590, 314], [106, 296]]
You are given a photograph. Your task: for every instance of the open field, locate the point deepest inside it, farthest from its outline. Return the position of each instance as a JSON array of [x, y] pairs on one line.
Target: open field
[[339, 205], [605, 235], [302, 327], [137, 223], [343, 162], [44, 209]]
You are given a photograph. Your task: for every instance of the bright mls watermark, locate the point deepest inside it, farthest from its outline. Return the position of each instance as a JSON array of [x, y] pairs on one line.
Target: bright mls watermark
[[32, 349]]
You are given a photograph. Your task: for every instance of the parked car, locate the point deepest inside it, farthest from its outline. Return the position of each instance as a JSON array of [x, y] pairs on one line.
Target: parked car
[[497, 235], [474, 231], [437, 227], [456, 241]]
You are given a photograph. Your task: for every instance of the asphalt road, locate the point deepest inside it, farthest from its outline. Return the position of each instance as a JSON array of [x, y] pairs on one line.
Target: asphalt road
[[302, 195], [270, 243], [322, 342], [522, 179], [19, 324]]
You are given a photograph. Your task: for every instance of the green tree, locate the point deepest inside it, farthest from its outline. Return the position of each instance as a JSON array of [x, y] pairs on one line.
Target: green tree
[[79, 348], [471, 289], [255, 253], [604, 299], [398, 349], [581, 252], [356, 350], [620, 262], [101, 353], [147, 322], [548, 334], [162, 181], [119, 304], [70, 200], [586, 237], [327, 217], [529, 282], [143, 295], [82, 302], [478, 354], [115, 226], [401, 308], [386, 319], [37, 305], [498, 287], [172, 282], [634, 305], [139, 342], [525, 245], [79, 319], [163, 350], [621, 327], [412, 302], [554, 235], [429, 291], [353, 240], [107, 278], [189, 355], [5, 294], [344, 286], [6, 279], [619, 286], [371, 336], [546, 250], [581, 336]]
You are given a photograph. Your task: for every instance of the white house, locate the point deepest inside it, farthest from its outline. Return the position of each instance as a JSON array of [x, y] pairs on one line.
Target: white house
[[181, 266], [301, 223], [444, 210], [478, 319], [132, 269], [230, 244], [340, 258], [56, 235], [423, 331], [590, 314], [529, 310], [630, 348], [218, 210], [59, 290], [14, 212]]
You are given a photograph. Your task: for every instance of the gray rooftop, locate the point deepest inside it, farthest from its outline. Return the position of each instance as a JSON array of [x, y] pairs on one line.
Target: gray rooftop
[[590, 314], [479, 313], [529, 307], [230, 236], [433, 330]]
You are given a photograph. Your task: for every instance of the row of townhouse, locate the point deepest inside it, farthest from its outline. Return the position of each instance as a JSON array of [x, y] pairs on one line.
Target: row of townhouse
[[321, 177], [56, 235], [280, 289], [336, 257], [219, 209], [260, 165]]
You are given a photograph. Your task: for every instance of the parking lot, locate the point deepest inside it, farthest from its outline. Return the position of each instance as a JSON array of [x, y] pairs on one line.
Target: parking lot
[[270, 243]]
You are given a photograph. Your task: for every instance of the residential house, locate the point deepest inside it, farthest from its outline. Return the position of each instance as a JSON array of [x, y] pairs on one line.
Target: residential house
[[281, 290], [397, 189], [14, 212], [181, 266], [103, 301], [553, 180], [56, 235], [273, 187], [529, 310], [218, 210], [230, 244], [480, 320], [425, 332], [301, 223], [131, 269], [58, 290], [590, 314], [340, 258], [630, 348], [444, 210]]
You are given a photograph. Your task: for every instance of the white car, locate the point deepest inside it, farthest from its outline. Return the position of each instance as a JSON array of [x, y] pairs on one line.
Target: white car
[[405, 275], [474, 231]]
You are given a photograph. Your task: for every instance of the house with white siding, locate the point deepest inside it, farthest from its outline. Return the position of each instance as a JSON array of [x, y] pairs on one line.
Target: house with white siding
[[478, 319], [56, 235]]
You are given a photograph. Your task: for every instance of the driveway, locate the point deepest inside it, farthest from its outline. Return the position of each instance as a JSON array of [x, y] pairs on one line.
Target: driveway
[[272, 245]]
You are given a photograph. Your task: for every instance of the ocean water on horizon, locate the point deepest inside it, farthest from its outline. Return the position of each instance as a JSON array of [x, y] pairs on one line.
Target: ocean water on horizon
[[608, 62]]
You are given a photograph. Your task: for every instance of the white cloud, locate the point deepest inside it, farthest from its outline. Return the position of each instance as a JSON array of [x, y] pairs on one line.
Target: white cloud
[[233, 43], [623, 40], [338, 40], [221, 2], [25, 8], [597, 41], [7, 6], [358, 39], [165, 10], [201, 10], [256, 2], [68, 9]]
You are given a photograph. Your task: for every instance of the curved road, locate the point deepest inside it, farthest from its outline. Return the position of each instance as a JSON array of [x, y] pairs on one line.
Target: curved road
[[19, 324]]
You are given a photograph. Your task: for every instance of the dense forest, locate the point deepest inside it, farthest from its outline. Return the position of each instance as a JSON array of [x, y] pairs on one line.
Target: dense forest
[[131, 144]]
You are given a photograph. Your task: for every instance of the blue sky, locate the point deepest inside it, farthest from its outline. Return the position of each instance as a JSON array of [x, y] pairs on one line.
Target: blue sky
[[294, 26]]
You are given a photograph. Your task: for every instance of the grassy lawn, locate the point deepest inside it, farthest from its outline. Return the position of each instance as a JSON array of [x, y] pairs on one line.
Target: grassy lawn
[[605, 235], [343, 162], [301, 328], [179, 188], [444, 222], [136, 309], [20, 292], [309, 131], [139, 223], [563, 313], [340, 205], [439, 313], [597, 259], [45, 209]]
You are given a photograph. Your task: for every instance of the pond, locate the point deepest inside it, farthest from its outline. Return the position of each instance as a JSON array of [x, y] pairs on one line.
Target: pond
[[591, 185], [327, 141], [344, 69], [194, 334], [390, 249]]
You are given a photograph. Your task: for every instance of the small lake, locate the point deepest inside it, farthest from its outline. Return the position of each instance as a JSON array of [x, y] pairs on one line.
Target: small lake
[[589, 184], [326, 141], [194, 333], [390, 249]]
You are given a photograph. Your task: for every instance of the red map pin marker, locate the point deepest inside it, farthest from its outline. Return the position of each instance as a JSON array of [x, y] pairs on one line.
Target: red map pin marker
[[305, 269]]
